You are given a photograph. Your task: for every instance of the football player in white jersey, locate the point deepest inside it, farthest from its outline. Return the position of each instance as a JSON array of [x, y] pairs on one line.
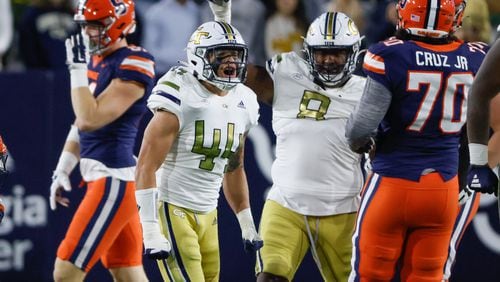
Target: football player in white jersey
[[316, 178], [202, 113]]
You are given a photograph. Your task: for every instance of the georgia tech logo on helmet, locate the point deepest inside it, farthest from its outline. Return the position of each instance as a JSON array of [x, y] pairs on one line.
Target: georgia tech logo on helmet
[[352, 27], [197, 37], [120, 7]]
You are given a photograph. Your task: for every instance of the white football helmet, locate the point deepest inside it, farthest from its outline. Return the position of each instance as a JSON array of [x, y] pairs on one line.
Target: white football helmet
[[202, 50], [330, 32]]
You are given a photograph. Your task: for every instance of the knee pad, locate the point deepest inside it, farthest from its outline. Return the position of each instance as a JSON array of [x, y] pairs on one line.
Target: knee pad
[[378, 263]]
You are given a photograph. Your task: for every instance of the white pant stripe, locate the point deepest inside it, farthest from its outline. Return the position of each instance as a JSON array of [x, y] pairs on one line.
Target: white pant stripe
[[99, 224]]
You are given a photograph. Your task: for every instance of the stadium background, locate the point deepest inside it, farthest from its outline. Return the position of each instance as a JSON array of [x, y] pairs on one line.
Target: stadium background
[[35, 114]]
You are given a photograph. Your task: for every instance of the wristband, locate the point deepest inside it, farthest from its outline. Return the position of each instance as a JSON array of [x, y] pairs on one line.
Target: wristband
[[78, 77], [146, 200], [245, 219], [478, 154], [67, 162], [73, 134]]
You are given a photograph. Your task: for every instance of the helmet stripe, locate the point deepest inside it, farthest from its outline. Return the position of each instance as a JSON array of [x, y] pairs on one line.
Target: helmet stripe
[[431, 17], [331, 19], [228, 30]]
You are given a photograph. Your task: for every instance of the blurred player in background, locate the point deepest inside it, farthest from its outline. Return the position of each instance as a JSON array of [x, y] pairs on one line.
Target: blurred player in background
[[416, 96], [316, 178], [202, 114], [3, 173], [486, 87], [469, 200], [106, 225]]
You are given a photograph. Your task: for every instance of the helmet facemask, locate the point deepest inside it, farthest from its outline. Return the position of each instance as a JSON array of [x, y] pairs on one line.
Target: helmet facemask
[[224, 64], [217, 53], [332, 65], [99, 41], [331, 49]]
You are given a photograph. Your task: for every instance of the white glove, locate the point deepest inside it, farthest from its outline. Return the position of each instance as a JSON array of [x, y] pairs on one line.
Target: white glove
[[251, 239], [60, 179], [464, 195], [156, 246], [77, 57], [221, 10]]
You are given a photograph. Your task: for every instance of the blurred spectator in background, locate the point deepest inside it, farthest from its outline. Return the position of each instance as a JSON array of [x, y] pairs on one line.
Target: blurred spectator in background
[[476, 24], [494, 10], [286, 23], [6, 29], [42, 31], [136, 37], [248, 17], [167, 28], [381, 21], [352, 8]]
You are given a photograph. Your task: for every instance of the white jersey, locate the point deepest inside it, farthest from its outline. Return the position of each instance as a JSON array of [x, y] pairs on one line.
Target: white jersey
[[315, 172], [211, 128]]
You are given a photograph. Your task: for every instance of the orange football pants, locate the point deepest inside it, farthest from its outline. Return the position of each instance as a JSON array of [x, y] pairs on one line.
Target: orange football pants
[[105, 226], [406, 222]]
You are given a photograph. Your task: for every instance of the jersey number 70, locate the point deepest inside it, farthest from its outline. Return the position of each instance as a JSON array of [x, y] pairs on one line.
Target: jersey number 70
[[450, 122]]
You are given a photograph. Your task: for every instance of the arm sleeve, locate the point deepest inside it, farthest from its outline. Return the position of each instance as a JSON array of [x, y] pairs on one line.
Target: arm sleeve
[[368, 114]]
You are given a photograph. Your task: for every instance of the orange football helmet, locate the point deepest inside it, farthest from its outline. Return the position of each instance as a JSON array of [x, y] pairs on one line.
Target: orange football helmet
[[427, 18], [115, 19]]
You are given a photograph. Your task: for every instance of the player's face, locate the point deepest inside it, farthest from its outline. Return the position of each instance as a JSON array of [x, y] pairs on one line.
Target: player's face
[[330, 61], [226, 62], [94, 32]]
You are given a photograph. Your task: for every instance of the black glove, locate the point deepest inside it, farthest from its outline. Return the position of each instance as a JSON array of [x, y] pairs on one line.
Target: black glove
[[481, 178], [366, 148]]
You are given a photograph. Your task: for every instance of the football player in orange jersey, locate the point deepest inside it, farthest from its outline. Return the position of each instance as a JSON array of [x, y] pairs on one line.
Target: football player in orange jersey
[[414, 105], [109, 90]]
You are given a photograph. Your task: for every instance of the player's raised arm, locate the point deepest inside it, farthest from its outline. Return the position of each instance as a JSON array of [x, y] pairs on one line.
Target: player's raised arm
[[258, 78], [261, 83], [95, 112], [221, 10]]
